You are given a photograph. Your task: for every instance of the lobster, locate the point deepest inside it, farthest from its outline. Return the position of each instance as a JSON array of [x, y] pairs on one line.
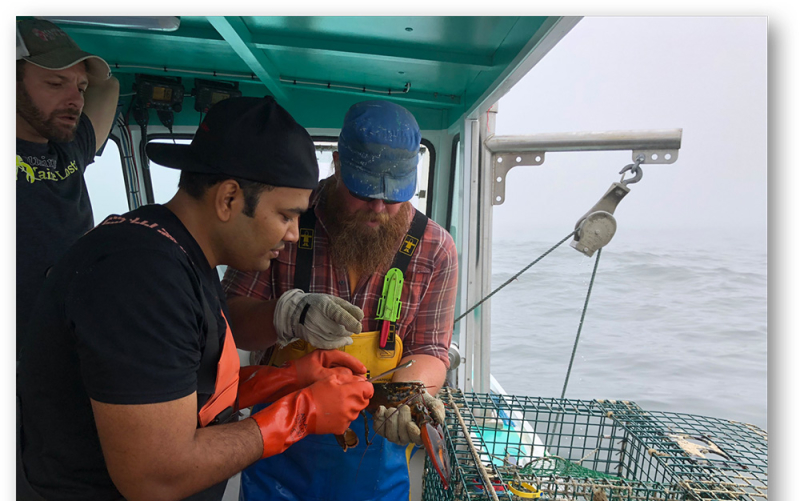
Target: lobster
[[394, 394]]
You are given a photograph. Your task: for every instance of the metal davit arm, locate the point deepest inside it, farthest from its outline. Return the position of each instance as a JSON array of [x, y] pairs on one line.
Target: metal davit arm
[[507, 152]]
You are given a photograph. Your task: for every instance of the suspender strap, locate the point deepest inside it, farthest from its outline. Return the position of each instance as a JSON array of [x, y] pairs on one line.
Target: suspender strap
[[410, 242], [305, 247], [305, 253], [305, 250], [403, 258], [207, 375]]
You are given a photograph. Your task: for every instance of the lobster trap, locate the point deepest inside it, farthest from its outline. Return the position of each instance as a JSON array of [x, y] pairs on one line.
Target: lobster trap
[[506, 447]]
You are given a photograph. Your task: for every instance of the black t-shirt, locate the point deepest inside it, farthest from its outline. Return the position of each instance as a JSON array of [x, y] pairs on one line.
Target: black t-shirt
[[53, 209], [120, 319]]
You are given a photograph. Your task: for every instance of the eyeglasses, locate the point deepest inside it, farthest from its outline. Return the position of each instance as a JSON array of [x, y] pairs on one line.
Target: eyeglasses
[[368, 199]]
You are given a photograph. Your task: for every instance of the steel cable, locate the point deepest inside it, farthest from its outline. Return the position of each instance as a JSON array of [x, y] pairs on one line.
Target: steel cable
[[514, 277]]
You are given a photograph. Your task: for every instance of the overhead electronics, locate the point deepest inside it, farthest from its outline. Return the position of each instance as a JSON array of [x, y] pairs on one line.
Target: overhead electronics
[[208, 93], [159, 93]]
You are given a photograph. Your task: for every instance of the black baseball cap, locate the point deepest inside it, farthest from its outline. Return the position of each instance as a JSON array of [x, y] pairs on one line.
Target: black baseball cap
[[250, 138]]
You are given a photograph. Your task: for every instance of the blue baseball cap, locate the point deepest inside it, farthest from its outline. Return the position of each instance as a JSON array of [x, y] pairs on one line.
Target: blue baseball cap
[[379, 151]]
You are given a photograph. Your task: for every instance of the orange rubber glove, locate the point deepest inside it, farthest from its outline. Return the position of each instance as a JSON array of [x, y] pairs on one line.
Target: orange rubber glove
[[327, 406], [262, 383], [317, 364]]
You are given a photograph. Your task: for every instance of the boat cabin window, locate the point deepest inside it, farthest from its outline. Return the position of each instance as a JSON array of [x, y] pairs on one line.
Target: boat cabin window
[[106, 182], [165, 180], [108, 190]]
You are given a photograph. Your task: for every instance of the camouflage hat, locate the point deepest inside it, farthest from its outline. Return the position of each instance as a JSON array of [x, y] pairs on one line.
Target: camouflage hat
[[46, 45]]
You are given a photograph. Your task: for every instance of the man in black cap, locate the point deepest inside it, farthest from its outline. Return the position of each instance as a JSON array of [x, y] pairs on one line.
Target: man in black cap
[[66, 101], [129, 374], [361, 238]]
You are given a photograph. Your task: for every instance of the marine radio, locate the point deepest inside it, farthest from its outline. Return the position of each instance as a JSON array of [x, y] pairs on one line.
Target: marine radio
[[159, 93], [208, 93]]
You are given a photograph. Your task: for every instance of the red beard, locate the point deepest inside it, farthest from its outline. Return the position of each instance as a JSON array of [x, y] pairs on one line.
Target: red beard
[[357, 246]]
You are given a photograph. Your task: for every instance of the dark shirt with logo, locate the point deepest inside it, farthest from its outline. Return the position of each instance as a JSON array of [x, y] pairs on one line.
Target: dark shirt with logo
[[53, 209], [120, 320]]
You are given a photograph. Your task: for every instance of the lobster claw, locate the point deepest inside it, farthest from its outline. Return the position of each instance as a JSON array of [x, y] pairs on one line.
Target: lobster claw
[[433, 441]]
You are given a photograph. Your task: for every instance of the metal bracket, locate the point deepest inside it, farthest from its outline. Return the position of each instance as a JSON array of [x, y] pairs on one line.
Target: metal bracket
[[656, 156], [504, 162]]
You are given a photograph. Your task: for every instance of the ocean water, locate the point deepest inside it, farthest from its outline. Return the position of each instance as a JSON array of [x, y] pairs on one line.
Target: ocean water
[[677, 321]]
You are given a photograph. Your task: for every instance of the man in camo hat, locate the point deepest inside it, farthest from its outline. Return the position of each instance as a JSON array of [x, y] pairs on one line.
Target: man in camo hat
[[66, 101]]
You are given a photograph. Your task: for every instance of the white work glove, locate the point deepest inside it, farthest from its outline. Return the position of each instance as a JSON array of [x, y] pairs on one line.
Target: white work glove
[[435, 407], [397, 425], [323, 320]]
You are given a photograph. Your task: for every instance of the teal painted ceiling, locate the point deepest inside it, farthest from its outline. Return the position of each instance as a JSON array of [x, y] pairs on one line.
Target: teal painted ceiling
[[316, 67]]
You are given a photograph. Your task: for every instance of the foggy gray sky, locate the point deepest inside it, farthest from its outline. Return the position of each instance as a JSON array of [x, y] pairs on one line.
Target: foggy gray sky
[[706, 75]]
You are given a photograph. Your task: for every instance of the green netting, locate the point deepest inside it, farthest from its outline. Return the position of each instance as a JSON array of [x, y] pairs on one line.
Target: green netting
[[581, 450], [556, 466]]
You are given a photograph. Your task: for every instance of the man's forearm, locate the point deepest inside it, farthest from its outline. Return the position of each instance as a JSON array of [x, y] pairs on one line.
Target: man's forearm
[[220, 452], [155, 451], [100, 105], [426, 368], [251, 322]]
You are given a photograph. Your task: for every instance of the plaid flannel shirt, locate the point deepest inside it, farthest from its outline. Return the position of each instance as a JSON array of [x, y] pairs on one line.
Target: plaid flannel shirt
[[429, 291]]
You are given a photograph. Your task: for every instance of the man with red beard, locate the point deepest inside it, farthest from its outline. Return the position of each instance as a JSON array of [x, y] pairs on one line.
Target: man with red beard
[[324, 290], [66, 101]]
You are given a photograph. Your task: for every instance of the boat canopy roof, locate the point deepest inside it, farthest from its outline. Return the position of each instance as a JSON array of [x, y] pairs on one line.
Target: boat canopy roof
[[443, 69]]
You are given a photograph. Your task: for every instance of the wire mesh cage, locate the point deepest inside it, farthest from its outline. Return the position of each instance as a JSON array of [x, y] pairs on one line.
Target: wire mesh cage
[[506, 447]]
